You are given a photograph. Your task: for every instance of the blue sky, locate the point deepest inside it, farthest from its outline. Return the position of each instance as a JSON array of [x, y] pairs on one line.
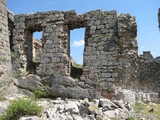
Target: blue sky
[[145, 12]]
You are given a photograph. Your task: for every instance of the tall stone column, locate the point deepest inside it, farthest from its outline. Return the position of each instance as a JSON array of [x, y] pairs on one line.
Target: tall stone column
[[5, 54]]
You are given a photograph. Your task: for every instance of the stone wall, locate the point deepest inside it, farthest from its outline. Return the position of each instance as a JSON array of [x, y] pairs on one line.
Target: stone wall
[[127, 52], [100, 54], [54, 41], [149, 70], [3, 2], [110, 53], [37, 50], [4, 39], [5, 55]]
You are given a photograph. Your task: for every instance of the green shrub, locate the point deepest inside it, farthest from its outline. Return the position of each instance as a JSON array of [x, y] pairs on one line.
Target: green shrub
[[41, 92], [21, 107], [139, 107], [76, 65]]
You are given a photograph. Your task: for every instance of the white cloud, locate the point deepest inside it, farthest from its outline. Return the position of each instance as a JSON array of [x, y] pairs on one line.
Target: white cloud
[[78, 43]]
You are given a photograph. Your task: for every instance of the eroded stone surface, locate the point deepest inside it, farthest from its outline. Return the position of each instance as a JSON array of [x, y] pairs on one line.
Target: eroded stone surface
[[31, 82], [5, 55]]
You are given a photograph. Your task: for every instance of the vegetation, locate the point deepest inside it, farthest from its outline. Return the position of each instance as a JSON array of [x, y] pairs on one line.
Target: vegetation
[[148, 110], [2, 97], [76, 70], [144, 108], [117, 118], [40, 92], [76, 65], [139, 107], [21, 107]]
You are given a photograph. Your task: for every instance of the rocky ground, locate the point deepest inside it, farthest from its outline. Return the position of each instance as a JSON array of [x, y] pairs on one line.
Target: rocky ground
[[94, 109], [124, 107], [71, 109]]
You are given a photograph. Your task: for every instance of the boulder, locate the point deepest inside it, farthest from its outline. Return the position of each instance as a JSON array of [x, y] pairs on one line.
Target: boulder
[[69, 92], [111, 113], [128, 106], [67, 87], [71, 107], [93, 109], [31, 82], [107, 104], [83, 110]]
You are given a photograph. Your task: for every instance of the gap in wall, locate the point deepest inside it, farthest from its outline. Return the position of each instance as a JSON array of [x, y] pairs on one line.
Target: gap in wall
[[76, 51], [37, 46], [36, 49]]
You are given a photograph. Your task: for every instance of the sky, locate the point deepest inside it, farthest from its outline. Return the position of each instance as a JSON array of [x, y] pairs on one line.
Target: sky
[[145, 11]]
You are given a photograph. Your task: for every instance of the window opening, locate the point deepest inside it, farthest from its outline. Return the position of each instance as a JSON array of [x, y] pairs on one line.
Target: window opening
[[76, 51], [34, 51], [37, 46]]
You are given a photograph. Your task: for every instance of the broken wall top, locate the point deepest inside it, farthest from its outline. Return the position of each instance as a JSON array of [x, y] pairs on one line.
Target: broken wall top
[[70, 18], [3, 2]]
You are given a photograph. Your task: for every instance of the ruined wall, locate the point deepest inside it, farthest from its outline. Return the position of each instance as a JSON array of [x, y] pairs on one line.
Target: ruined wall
[[5, 56], [37, 50], [149, 68], [54, 41], [110, 53], [127, 52], [3, 2], [100, 55]]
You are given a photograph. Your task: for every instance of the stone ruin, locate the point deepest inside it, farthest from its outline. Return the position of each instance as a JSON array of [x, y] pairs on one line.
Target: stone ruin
[[110, 55]]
